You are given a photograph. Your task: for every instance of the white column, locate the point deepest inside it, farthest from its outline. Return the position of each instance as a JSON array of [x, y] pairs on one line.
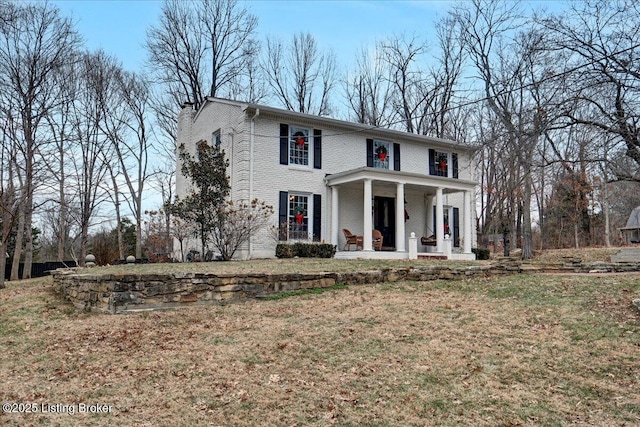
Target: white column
[[439, 221], [400, 237], [429, 229], [334, 216], [468, 221], [367, 241]]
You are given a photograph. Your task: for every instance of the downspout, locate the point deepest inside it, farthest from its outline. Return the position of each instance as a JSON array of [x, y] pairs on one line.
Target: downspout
[[251, 144]]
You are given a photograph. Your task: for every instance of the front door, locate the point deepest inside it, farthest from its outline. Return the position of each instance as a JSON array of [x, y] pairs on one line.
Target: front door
[[384, 219]]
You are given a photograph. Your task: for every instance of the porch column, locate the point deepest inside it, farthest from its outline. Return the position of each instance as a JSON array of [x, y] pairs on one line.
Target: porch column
[[468, 220], [367, 240], [334, 215], [400, 237], [439, 221], [429, 231]]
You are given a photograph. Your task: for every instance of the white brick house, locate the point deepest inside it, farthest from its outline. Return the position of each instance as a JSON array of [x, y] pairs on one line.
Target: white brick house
[[324, 175]]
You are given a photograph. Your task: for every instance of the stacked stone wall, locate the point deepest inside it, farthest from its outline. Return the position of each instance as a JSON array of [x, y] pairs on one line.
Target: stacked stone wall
[[119, 293]]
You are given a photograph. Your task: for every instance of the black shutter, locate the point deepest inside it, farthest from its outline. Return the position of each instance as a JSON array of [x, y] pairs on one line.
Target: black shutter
[[432, 161], [284, 144], [369, 153], [317, 149], [317, 217], [396, 156], [456, 227], [454, 161], [283, 215]]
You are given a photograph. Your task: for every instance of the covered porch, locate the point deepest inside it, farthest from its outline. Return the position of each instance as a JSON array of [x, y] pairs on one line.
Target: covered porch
[[398, 204]]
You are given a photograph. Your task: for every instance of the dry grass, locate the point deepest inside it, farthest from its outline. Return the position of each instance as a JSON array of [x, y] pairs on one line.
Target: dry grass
[[313, 265], [519, 350]]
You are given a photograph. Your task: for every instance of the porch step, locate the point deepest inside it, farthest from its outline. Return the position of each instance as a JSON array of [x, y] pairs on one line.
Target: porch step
[[627, 255], [433, 257]]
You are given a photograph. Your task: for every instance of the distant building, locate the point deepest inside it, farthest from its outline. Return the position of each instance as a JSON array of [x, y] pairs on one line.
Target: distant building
[[631, 232], [323, 175]]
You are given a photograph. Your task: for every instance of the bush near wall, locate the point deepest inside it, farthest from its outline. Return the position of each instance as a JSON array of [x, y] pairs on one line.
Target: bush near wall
[[481, 253], [305, 250]]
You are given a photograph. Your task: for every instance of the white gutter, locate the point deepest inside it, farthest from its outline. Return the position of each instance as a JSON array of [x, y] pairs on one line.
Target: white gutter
[[251, 144]]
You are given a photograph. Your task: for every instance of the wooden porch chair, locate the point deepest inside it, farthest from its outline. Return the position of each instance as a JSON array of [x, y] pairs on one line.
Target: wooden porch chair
[[377, 240], [352, 239]]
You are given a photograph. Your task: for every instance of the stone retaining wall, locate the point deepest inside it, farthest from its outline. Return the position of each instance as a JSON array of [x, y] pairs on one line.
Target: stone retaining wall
[[119, 293]]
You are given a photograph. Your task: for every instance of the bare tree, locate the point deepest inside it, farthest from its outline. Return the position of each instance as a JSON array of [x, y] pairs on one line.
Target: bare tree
[[125, 125], [301, 77], [199, 48], [503, 58], [443, 120], [403, 54], [11, 198], [91, 146], [601, 41], [369, 89], [34, 42], [228, 28]]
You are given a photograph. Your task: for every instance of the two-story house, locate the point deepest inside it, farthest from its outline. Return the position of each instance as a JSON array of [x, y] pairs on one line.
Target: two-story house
[[323, 176]]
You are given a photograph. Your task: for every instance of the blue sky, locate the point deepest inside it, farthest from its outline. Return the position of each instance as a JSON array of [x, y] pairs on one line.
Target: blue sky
[[119, 26]]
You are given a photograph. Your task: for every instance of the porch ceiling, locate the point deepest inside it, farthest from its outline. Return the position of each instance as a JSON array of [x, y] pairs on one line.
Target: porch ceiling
[[390, 178]]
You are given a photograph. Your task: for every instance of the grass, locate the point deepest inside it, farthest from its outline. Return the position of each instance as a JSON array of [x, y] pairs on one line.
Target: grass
[[315, 291], [517, 350]]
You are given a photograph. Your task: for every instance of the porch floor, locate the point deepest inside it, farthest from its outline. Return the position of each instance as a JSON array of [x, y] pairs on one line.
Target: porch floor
[[401, 255]]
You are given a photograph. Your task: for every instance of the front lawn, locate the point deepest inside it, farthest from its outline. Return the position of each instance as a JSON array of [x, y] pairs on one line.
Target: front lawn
[[517, 350]]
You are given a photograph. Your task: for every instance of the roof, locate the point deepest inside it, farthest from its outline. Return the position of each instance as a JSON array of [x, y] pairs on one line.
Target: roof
[[634, 219], [253, 109]]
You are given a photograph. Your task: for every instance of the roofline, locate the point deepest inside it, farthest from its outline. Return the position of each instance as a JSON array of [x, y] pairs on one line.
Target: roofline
[[413, 178], [251, 108]]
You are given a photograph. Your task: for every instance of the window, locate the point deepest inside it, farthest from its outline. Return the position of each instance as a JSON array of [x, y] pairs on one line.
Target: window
[[298, 217], [381, 154], [215, 138], [451, 220], [299, 146], [442, 163]]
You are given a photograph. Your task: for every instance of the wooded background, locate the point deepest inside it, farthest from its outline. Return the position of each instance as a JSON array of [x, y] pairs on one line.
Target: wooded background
[[550, 102]]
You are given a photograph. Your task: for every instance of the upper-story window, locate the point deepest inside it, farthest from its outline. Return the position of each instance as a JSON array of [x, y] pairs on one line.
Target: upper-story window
[[215, 138], [383, 154], [442, 163], [298, 146]]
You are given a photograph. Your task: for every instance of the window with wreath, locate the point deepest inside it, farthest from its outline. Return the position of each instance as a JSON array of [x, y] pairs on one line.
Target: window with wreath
[[298, 146], [381, 154], [442, 163], [298, 216]]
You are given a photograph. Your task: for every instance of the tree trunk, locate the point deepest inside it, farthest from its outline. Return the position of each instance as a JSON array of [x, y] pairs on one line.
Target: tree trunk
[[527, 235], [116, 203], [28, 244], [17, 251], [62, 220], [607, 225], [3, 264]]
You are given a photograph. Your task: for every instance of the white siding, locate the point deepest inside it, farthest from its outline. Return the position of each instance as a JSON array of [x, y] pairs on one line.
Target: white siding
[[342, 150]]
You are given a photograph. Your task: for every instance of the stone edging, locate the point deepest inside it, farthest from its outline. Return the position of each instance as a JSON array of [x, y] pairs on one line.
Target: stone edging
[[119, 293]]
